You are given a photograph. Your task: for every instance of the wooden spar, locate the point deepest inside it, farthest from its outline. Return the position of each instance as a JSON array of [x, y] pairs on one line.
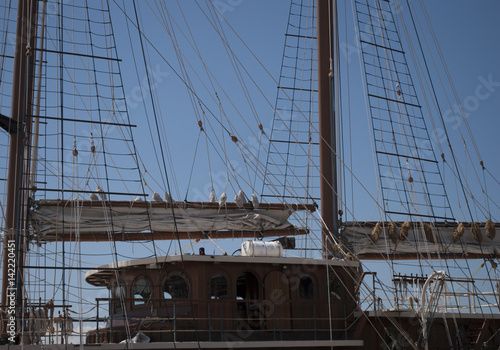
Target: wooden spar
[[327, 143], [142, 236], [19, 143]]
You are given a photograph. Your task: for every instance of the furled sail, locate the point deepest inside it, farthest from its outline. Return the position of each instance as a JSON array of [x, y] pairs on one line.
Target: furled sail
[[54, 219], [441, 241]]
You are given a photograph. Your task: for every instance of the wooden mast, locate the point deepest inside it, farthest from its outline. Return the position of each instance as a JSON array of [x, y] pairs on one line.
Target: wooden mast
[[19, 144], [326, 109]]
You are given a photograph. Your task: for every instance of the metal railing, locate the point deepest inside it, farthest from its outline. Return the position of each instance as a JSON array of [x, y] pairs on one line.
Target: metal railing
[[220, 320], [458, 296]]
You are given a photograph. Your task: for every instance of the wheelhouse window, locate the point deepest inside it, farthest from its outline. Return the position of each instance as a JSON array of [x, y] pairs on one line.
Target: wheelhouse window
[[142, 291], [335, 288], [247, 286], [175, 287], [306, 288], [218, 287], [248, 306]]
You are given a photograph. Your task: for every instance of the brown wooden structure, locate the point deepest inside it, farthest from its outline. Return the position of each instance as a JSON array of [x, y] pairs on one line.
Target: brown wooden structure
[[217, 298]]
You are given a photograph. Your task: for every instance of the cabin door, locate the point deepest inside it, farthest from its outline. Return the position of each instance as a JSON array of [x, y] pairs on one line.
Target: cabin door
[[277, 292]]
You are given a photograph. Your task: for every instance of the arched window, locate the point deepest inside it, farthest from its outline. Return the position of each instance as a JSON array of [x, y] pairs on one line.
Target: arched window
[[218, 287], [306, 288], [247, 286], [248, 293], [141, 291], [175, 287], [335, 288]]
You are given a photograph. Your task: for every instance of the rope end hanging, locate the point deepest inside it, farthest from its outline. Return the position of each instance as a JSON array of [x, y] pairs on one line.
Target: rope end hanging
[[476, 232], [222, 200], [240, 199], [211, 198], [157, 197], [101, 193], [255, 201], [490, 229]]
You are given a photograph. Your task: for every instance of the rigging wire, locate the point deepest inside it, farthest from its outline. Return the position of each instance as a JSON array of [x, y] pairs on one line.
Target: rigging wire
[[142, 35], [146, 38], [155, 150], [212, 185], [453, 157], [165, 170]]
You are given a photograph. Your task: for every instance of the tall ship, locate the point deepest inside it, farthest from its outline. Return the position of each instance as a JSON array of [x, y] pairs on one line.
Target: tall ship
[[169, 185]]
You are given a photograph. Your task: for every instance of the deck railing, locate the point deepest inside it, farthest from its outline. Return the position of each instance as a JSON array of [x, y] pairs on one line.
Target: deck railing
[[458, 295], [221, 320]]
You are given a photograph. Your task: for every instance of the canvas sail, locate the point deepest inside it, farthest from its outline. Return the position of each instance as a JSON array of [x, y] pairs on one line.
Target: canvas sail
[[358, 236], [52, 218]]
